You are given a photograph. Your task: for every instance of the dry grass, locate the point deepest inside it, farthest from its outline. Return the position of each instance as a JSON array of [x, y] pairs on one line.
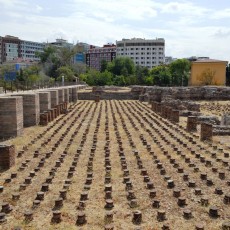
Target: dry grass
[[125, 111]]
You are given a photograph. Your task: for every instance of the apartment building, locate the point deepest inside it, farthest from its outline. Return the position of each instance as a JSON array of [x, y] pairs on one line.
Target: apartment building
[[28, 50], [95, 55], [12, 48], [144, 52]]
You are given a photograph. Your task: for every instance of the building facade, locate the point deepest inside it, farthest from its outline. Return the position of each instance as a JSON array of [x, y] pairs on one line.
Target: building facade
[[144, 52], [95, 55], [12, 48], [208, 72]]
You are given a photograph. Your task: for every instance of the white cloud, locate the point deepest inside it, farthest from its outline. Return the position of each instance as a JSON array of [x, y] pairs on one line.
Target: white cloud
[[183, 8], [225, 13]]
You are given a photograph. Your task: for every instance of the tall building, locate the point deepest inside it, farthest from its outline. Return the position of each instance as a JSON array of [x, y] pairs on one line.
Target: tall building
[[95, 55], [12, 48], [144, 52], [28, 50]]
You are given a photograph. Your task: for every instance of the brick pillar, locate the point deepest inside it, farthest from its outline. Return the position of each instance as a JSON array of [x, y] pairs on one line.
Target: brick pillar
[[158, 107], [70, 94], [54, 97], [31, 109], [192, 124], [55, 112], [11, 117], [154, 106], [44, 119], [45, 101], [61, 95], [206, 132], [141, 98], [7, 156], [74, 94], [97, 98], [175, 116], [169, 113], [58, 112], [66, 90]]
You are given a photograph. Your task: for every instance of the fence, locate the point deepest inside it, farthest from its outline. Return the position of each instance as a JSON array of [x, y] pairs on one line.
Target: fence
[[11, 86]]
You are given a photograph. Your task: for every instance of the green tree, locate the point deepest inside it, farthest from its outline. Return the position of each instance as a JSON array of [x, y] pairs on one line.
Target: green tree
[[121, 64], [160, 75], [65, 71], [180, 71], [141, 74], [104, 65]]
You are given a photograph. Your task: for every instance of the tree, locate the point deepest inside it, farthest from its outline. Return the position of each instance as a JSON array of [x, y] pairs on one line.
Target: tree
[[65, 71], [160, 75], [141, 73], [180, 71], [121, 64], [104, 65]]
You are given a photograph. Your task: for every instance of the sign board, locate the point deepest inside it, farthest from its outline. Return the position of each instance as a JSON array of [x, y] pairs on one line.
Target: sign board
[[79, 57], [10, 76]]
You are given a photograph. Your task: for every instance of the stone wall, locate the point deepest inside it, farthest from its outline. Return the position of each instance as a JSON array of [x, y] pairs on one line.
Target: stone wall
[[11, 117], [156, 93], [107, 96]]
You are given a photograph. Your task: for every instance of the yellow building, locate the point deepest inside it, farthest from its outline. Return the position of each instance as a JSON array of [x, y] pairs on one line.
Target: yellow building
[[208, 72]]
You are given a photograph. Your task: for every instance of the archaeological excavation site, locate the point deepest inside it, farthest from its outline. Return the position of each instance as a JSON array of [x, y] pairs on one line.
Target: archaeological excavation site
[[115, 158]]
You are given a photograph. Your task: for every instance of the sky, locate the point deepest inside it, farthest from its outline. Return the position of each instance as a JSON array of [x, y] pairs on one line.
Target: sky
[[190, 27]]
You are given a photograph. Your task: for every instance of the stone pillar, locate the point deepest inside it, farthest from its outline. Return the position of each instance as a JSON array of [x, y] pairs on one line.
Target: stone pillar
[[163, 111], [142, 98], [53, 97], [66, 90], [74, 94], [192, 124], [61, 95], [158, 107], [154, 106], [175, 116], [31, 109], [169, 113], [70, 94], [206, 132], [97, 98], [44, 118], [7, 156], [45, 101], [11, 117]]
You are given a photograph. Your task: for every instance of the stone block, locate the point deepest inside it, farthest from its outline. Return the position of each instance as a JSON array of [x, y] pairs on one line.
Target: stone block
[[31, 109], [11, 117], [7, 156], [45, 101], [192, 124], [206, 132]]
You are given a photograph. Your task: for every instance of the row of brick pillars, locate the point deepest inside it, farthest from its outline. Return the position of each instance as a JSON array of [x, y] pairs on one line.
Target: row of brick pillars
[[166, 112]]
